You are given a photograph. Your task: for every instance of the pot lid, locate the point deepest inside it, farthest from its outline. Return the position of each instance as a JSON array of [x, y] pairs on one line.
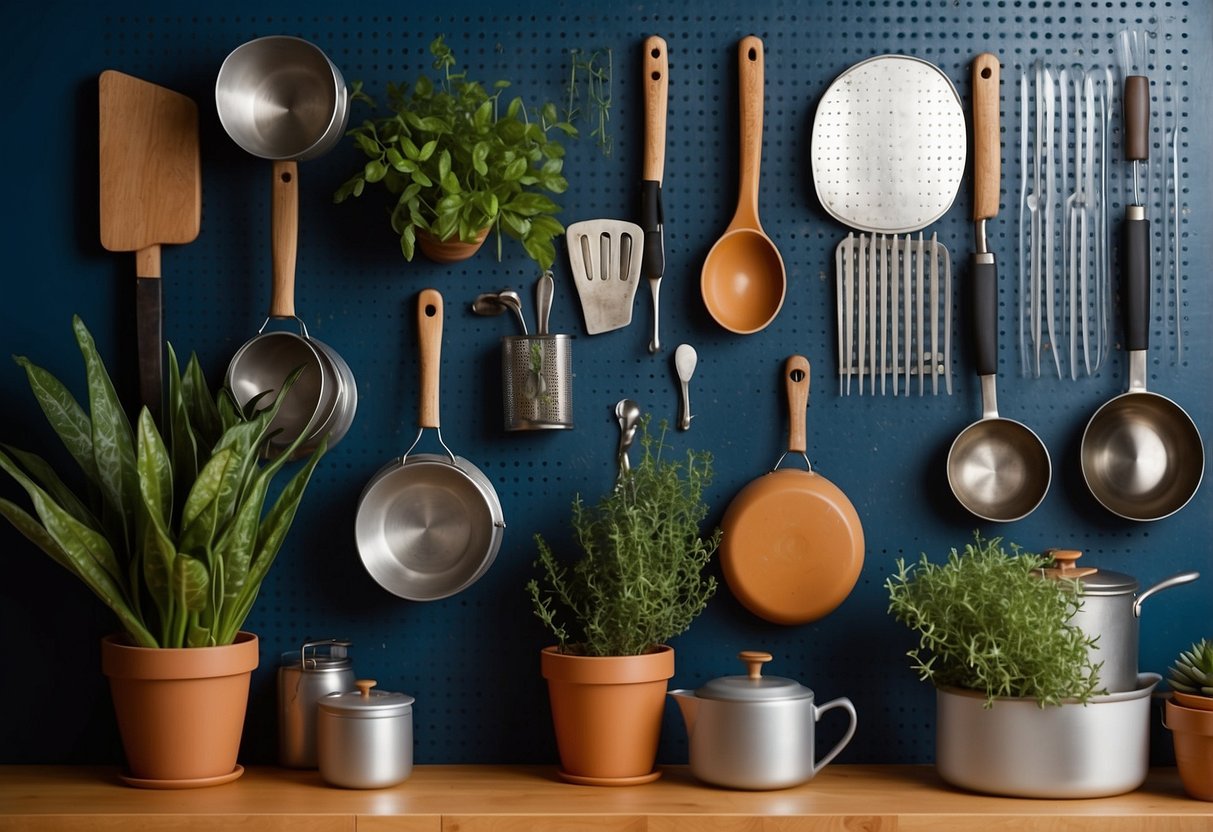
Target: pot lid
[[753, 687], [365, 703], [1094, 581], [322, 655]]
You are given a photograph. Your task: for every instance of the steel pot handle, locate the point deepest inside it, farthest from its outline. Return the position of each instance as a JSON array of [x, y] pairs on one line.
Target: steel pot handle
[[1165, 583], [840, 702]]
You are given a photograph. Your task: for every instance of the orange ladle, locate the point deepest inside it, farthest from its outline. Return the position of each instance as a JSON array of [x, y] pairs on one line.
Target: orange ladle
[[743, 280]]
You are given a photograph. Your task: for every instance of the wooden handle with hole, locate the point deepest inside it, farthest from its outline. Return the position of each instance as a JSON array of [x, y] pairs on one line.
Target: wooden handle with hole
[[796, 380], [429, 340], [751, 76], [987, 149], [284, 233], [656, 98]]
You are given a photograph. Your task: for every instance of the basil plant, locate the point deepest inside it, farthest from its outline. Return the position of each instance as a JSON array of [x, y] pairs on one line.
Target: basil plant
[[171, 532]]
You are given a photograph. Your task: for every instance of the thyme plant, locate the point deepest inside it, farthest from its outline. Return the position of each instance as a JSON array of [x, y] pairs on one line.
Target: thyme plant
[[639, 581], [986, 622]]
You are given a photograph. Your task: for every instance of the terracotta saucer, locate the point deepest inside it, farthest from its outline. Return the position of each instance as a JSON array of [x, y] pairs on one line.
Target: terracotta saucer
[[189, 783], [582, 780]]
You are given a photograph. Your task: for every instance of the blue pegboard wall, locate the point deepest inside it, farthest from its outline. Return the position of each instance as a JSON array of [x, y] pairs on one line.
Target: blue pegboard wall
[[472, 660]]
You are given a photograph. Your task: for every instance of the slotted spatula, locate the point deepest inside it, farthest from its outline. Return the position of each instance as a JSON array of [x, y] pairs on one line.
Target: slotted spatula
[[151, 195], [605, 256]]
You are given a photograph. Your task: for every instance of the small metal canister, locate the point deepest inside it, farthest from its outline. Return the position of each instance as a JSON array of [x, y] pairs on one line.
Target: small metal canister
[[537, 382], [315, 670], [364, 739]]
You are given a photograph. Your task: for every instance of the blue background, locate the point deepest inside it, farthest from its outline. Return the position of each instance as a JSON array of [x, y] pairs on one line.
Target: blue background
[[472, 660]]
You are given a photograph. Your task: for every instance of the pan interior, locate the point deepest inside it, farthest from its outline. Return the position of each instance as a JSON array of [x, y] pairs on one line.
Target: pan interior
[[792, 546], [889, 145], [264, 364], [1142, 456], [999, 469], [425, 530]]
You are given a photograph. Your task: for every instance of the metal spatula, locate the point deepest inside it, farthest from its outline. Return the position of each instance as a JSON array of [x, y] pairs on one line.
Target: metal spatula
[[605, 256]]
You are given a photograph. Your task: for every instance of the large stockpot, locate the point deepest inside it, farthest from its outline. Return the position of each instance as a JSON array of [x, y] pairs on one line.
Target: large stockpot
[[755, 731], [1110, 613], [364, 738], [1019, 749]]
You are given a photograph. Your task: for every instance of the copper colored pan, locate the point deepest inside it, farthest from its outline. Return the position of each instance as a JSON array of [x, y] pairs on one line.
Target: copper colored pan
[[792, 545]]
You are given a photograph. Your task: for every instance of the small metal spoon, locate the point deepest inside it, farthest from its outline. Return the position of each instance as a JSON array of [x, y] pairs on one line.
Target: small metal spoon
[[685, 359], [544, 289], [487, 304], [511, 301], [627, 412]]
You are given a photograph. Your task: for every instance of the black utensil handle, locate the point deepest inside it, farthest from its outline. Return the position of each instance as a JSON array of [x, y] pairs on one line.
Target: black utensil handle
[[1136, 286], [149, 343], [985, 313]]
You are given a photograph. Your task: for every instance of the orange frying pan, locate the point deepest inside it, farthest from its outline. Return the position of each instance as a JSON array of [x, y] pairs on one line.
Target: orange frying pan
[[792, 543]]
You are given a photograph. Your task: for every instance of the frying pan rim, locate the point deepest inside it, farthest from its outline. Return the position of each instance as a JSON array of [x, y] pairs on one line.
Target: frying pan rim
[[470, 475], [763, 483], [988, 423], [960, 120], [1110, 409]]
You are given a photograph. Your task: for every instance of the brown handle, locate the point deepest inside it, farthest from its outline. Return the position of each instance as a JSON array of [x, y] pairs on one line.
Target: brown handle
[[987, 150], [1137, 118], [429, 339], [147, 261], [796, 379], [754, 660], [364, 687], [656, 97], [284, 233], [751, 82], [1065, 564]]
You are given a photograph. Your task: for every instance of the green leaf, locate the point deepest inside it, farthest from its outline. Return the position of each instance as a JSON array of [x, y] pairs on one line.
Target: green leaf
[[394, 159], [427, 150], [408, 242], [444, 165], [483, 116], [546, 225], [411, 151], [199, 403], [368, 145], [487, 203], [421, 179], [514, 169], [450, 183], [182, 441], [540, 250], [45, 475], [200, 516], [375, 170], [190, 583], [64, 414], [433, 124], [515, 105], [530, 204], [155, 471], [515, 224]]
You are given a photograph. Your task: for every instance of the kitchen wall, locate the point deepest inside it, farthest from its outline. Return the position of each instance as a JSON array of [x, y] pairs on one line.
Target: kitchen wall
[[472, 660]]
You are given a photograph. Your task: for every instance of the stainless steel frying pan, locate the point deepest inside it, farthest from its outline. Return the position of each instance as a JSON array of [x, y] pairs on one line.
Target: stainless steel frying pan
[[428, 525]]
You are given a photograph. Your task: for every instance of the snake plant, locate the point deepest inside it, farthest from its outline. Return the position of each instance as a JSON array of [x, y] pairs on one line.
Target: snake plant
[[171, 532], [1192, 671]]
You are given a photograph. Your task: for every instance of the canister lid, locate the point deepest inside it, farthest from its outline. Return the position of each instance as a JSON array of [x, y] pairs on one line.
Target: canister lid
[[1094, 581], [365, 703], [320, 656], [753, 687]]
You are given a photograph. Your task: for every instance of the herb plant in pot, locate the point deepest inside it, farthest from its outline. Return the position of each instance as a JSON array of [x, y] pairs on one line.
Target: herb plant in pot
[[637, 584], [174, 533], [1018, 707], [458, 161], [1189, 716]]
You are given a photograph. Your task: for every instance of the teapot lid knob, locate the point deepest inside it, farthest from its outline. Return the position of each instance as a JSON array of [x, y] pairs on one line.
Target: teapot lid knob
[[754, 660], [1065, 564], [364, 687]]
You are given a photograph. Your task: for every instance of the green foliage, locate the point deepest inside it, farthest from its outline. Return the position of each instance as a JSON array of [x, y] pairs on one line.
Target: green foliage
[[639, 582], [171, 535], [986, 622], [590, 78], [1192, 671], [457, 159]]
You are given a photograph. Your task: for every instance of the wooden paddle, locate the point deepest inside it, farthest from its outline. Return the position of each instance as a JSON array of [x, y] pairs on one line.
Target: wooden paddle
[[151, 195]]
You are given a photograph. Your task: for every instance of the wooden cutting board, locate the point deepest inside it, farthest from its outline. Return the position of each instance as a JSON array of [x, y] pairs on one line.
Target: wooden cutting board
[[151, 194]]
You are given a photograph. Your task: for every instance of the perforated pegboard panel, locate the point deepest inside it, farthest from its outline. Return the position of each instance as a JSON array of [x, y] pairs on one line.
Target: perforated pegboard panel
[[471, 660]]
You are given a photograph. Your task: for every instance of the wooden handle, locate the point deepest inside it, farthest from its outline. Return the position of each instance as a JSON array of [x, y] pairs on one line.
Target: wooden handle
[[754, 660], [284, 233], [656, 97], [147, 262], [987, 150], [429, 339], [1137, 118], [751, 84], [1065, 565], [796, 378], [364, 687]]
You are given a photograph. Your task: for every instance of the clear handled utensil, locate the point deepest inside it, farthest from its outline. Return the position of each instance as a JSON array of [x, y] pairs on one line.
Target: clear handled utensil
[[685, 359]]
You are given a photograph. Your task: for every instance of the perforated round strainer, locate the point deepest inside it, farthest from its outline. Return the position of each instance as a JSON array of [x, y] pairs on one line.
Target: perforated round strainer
[[889, 145]]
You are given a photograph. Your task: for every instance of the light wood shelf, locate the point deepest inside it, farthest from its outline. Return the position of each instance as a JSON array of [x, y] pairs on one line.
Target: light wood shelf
[[532, 799]]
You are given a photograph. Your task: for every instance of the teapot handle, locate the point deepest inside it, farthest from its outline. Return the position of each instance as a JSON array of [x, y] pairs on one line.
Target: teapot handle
[[840, 702]]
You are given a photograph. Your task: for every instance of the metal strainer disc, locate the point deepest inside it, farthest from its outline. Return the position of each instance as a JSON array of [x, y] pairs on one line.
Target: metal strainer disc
[[889, 145]]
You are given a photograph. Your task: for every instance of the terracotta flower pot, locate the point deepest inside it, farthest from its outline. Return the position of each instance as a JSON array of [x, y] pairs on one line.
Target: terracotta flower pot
[[180, 710], [1192, 733], [453, 250], [607, 712]]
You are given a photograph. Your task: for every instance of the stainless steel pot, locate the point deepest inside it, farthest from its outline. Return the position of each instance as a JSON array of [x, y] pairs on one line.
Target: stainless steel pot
[[316, 669], [364, 739], [1111, 613], [1020, 749], [755, 731]]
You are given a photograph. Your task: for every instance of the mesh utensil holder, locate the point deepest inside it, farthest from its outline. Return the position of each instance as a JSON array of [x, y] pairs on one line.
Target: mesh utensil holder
[[537, 382]]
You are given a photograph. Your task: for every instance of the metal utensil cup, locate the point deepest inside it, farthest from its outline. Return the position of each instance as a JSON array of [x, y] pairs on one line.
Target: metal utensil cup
[[537, 382]]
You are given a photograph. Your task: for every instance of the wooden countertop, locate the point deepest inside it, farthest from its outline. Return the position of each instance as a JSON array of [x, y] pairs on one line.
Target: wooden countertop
[[518, 798]]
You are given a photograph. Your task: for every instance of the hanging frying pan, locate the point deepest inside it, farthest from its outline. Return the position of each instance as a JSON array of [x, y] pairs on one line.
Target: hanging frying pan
[[792, 544], [428, 525]]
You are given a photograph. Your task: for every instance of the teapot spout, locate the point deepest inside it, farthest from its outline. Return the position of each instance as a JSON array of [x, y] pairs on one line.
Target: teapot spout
[[688, 703]]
